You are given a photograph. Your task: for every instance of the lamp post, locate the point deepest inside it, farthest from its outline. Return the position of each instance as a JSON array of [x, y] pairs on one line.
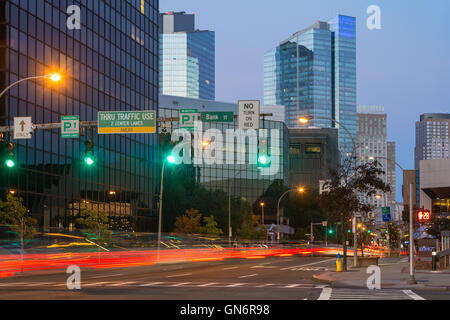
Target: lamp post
[[306, 119], [299, 190], [229, 207], [55, 77]]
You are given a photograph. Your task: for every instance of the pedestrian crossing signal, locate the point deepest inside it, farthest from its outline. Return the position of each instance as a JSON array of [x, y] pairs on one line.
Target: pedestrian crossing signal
[[424, 215]]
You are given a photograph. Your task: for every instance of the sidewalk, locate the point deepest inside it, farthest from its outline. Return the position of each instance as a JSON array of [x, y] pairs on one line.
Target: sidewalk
[[394, 274]]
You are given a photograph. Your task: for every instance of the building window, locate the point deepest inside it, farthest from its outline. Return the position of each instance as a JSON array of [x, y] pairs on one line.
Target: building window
[[313, 148]]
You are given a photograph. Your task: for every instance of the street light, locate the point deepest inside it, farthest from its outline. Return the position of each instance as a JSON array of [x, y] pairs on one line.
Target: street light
[[55, 77], [304, 119], [262, 206], [299, 190]]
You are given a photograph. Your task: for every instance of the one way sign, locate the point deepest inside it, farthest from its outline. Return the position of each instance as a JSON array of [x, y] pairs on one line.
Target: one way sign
[[22, 127]]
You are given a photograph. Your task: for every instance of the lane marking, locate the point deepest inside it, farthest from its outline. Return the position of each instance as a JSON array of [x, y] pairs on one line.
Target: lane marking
[[179, 275], [37, 284], [235, 285], [265, 263], [249, 275], [207, 284], [229, 268], [308, 264], [292, 286], [180, 284], [268, 267], [150, 284], [413, 295], [325, 294], [121, 284]]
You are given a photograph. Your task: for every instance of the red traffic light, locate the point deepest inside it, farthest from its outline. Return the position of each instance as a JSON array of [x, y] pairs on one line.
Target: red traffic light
[[424, 215]]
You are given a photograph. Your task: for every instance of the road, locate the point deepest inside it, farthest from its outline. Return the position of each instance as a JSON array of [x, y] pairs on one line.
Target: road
[[272, 278]]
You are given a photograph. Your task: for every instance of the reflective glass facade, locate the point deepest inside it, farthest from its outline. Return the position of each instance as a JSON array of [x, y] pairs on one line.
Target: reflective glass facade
[[344, 77], [187, 65], [314, 72], [248, 182], [110, 64]]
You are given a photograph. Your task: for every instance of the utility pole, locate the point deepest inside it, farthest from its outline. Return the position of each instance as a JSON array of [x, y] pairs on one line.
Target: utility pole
[[412, 279]]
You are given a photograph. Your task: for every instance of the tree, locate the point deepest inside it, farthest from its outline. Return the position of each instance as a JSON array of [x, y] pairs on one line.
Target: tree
[[12, 211], [96, 221], [210, 226], [251, 229], [340, 194], [394, 235], [188, 223]]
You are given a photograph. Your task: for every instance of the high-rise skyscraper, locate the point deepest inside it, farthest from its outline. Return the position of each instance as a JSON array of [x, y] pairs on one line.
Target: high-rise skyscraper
[[187, 57], [313, 72], [372, 144], [391, 172], [432, 137]]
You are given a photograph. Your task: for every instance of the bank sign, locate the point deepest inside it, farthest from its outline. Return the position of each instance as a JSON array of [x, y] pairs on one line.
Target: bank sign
[[126, 122]]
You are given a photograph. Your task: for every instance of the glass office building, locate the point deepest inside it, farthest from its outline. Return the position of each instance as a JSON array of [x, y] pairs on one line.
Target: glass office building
[[109, 64], [314, 72], [343, 30], [187, 64], [249, 182]]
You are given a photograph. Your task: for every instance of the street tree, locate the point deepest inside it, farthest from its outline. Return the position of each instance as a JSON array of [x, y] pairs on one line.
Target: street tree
[[96, 221], [394, 235], [340, 194], [210, 226], [252, 229], [188, 223], [14, 213]]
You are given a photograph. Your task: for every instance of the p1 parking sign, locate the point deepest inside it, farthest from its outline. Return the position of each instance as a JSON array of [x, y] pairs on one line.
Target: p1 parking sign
[[187, 118], [70, 126]]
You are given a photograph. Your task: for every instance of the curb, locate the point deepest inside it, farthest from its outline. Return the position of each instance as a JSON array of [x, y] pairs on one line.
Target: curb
[[318, 279]]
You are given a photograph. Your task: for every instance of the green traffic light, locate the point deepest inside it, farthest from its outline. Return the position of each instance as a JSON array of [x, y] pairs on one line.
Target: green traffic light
[[262, 159], [10, 163], [89, 160], [368, 231], [330, 231], [171, 159]]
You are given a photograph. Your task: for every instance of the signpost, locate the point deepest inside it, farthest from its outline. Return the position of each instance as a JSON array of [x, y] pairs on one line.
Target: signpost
[[386, 211], [217, 116], [126, 122], [22, 127], [70, 126], [187, 119], [249, 111]]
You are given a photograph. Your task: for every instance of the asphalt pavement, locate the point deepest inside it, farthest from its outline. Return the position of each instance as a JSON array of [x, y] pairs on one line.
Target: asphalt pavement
[[271, 278]]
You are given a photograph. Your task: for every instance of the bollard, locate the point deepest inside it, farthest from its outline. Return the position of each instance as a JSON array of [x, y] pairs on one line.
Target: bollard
[[433, 261], [338, 263]]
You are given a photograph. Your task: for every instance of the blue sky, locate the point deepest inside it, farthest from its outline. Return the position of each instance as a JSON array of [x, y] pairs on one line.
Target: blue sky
[[405, 66]]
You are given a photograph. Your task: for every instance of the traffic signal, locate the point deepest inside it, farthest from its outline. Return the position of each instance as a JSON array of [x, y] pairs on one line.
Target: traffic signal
[[263, 153], [369, 231], [330, 231], [9, 158], [89, 158], [424, 215]]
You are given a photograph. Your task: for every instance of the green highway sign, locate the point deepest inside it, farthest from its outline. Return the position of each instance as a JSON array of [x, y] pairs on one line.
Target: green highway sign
[[187, 118], [386, 210], [70, 126], [217, 116], [127, 122]]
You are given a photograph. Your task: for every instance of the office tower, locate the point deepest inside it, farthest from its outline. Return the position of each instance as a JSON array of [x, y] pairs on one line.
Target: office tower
[[372, 144], [313, 72], [110, 64], [391, 172], [187, 57], [432, 137]]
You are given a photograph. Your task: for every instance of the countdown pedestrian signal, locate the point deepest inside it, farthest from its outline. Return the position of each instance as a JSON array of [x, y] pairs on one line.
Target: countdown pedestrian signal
[[424, 215]]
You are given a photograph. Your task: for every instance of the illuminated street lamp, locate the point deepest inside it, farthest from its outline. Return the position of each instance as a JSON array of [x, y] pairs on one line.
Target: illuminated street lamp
[[299, 190], [55, 77]]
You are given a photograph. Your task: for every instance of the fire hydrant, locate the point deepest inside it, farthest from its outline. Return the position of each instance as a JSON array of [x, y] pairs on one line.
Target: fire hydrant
[[338, 263]]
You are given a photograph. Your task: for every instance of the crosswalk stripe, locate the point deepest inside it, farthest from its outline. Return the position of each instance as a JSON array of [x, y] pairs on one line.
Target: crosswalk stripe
[[325, 294], [413, 295]]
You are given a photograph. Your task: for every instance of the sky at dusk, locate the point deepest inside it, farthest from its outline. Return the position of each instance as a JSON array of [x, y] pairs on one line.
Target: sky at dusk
[[405, 66]]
